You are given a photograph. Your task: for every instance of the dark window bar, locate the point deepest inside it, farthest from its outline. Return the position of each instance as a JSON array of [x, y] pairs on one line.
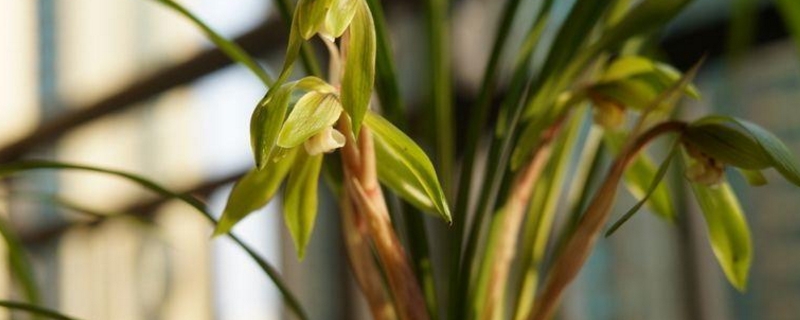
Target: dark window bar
[[682, 49], [257, 42]]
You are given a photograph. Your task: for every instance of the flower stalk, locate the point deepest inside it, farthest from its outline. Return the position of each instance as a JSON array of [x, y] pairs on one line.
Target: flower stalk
[[359, 253], [367, 201], [582, 241], [507, 223]]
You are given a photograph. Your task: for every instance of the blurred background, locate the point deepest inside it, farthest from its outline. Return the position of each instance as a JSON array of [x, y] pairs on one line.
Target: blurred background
[[130, 85]]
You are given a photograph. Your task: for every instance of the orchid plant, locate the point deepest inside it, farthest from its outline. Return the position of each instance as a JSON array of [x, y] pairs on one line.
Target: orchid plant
[[595, 67]]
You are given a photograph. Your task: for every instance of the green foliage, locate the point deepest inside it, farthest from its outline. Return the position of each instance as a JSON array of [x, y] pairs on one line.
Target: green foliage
[[790, 10], [311, 16], [770, 151], [253, 191], [34, 310], [313, 112], [359, 75], [231, 49], [266, 123], [647, 195], [22, 166], [727, 145], [300, 199], [727, 231], [642, 180], [595, 60], [340, 16], [270, 114], [20, 264], [404, 167]]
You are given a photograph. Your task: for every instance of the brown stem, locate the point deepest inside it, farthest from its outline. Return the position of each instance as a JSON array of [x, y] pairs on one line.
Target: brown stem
[[367, 201], [514, 212], [366, 271], [581, 243]]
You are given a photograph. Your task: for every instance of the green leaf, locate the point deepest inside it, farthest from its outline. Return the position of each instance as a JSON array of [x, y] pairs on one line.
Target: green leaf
[[662, 171], [727, 230], [637, 82], [670, 75], [626, 67], [34, 309], [527, 141], [268, 117], [639, 177], [633, 93], [313, 84], [340, 16], [230, 48], [310, 16], [21, 166], [313, 112], [533, 129], [386, 80], [253, 191], [292, 51], [300, 200], [404, 168], [728, 145], [265, 124], [754, 177], [359, 73], [21, 266], [645, 17], [790, 10], [574, 33], [780, 156]]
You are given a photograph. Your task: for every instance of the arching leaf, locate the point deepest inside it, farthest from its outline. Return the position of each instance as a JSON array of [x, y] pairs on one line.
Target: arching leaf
[[340, 16], [359, 73], [311, 16], [34, 309], [253, 191], [300, 200], [727, 230], [404, 167], [772, 148], [22, 166], [313, 112], [230, 48]]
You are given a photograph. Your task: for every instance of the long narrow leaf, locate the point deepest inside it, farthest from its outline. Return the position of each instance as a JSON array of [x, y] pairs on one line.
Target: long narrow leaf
[[21, 266], [33, 309], [386, 82], [790, 10], [398, 154], [359, 74], [310, 64], [230, 48], [441, 87], [662, 170], [639, 176], [266, 123], [313, 112], [21, 166], [253, 191], [542, 211], [727, 231], [771, 148], [300, 200]]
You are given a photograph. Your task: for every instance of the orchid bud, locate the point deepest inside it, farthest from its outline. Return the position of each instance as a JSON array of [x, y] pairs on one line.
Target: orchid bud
[[325, 141], [705, 173], [608, 113], [705, 169]]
